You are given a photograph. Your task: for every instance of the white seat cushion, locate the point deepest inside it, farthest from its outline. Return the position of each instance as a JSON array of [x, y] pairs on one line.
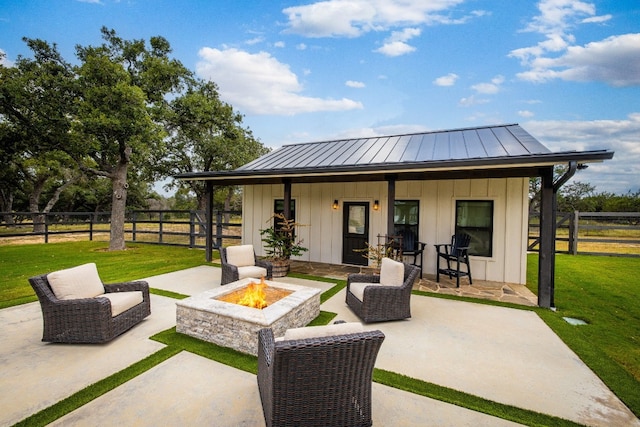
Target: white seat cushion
[[391, 272], [252, 271], [357, 289], [322, 331], [82, 281], [122, 301], [241, 255]]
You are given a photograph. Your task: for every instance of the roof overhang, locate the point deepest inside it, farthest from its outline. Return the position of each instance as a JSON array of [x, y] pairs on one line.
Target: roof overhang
[[499, 167]]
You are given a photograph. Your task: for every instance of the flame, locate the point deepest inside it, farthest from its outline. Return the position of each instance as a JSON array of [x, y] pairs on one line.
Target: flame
[[254, 295]]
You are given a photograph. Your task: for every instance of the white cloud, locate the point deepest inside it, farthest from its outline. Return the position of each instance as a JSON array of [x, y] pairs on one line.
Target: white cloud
[[618, 175], [260, 84], [279, 44], [354, 84], [255, 40], [301, 46], [526, 113], [448, 80], [396, 44], [369, 132], [615, 60], [352, 18], [489, 88], [4, 60], [471, 101]]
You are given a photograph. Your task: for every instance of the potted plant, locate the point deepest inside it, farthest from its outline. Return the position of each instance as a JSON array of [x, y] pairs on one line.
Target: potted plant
[[280, 243], [375, 253]]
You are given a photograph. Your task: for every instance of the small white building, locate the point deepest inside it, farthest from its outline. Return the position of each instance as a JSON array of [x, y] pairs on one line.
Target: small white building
[[426, 187]]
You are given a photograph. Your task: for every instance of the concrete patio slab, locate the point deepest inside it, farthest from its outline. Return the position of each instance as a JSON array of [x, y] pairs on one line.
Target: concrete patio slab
[[502, 354]]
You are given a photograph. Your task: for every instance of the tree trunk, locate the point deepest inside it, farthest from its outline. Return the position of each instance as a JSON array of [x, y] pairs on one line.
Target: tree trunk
[[34, 197], [118, 206], [6, 206]]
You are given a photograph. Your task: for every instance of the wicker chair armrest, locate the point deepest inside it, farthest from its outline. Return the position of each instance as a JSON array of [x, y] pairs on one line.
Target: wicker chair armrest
[[265, 264], [266, 345], [367, 278], [139, 285], [231, 269]]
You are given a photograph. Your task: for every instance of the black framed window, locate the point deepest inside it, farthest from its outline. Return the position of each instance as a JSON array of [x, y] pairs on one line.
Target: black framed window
[[405, 223], [475, 218]]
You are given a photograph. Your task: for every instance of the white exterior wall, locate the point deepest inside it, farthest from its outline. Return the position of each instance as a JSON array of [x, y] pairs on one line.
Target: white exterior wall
[[323, 233]]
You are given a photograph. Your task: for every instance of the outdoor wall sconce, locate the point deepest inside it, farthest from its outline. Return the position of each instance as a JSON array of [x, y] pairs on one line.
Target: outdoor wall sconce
[[376, 205], [335, 205]]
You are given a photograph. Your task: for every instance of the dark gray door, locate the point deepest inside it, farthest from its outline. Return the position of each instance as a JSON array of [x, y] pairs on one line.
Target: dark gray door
[[355, 232]]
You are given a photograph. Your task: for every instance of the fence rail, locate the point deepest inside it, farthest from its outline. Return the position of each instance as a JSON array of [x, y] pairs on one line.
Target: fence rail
[[166, 227], [592, 233]]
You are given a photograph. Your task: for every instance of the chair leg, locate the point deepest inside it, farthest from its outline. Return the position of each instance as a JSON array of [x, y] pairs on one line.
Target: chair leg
[[469, 269]]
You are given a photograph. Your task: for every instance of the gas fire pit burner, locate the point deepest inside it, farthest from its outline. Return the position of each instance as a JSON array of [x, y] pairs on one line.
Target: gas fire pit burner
[[209, 317]]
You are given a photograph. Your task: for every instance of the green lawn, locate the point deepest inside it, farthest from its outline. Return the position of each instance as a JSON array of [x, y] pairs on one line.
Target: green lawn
[[19, 262]]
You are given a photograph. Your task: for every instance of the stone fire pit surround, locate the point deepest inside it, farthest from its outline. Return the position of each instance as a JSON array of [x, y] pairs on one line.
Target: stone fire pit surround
[[231, 325]]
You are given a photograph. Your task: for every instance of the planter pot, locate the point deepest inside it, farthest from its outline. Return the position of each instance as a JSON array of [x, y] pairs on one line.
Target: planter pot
[[281, 268]]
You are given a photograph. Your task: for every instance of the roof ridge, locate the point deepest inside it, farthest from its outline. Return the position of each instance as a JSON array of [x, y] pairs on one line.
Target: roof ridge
[[400, 134]]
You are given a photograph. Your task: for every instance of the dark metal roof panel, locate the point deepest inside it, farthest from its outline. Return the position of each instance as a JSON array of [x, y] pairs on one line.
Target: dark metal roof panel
[[488, 142]]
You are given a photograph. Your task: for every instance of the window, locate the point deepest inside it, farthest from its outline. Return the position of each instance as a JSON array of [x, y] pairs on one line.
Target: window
[[405, 223], [475, 218]]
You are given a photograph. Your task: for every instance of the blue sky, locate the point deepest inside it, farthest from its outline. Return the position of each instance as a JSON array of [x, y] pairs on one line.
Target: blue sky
[[567, 71]]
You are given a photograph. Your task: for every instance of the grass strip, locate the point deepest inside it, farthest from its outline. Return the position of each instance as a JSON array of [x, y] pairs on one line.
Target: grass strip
[[95, 390], [469, 401], [168, 294]]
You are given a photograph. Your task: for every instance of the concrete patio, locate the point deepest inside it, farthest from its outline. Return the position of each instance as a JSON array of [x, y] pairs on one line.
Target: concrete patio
[[501, 354]]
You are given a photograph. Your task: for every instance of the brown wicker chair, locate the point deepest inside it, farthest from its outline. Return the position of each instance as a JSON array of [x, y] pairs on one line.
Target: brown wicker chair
[[317, 381], [230, 272], [382, 303], [87, 320]]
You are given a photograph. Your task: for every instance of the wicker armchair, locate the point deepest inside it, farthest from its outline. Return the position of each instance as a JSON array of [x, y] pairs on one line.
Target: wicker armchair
[[317, 381], [87, 320], [232, 272], [381, 303]]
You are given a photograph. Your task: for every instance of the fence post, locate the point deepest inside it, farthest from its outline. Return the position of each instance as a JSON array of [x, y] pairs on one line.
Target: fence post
[[218, 229], [192, 229], [160, 228], [90, 228], [574, 233], [46, 228], [133, 226]]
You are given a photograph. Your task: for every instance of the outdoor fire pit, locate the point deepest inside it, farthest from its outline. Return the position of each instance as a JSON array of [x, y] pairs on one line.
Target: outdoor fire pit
[[215, 315]]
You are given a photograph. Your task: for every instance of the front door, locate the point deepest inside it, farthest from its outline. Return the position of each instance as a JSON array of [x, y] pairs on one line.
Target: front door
[[355, 232]]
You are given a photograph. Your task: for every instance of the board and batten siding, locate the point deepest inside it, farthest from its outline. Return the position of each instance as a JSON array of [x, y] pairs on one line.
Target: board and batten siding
[[322, 231]]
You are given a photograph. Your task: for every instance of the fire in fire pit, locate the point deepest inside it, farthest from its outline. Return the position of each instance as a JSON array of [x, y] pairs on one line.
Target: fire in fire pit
[[255, 295]]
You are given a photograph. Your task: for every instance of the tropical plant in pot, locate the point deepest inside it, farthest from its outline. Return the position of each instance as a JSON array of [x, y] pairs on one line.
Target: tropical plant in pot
[[280, 243]]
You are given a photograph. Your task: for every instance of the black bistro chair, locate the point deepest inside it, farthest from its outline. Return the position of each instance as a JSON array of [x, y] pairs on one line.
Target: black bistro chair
[[455, 252]]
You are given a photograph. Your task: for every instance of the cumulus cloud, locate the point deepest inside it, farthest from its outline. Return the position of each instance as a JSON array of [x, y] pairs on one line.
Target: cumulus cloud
[[472, 100], [397, 45], [526, 113], [448, 80], [491, 87], [354, 84], [614, 60], [353, 18], [617, 175], [369, 132], [4, 60], [260, 84], [279, 44]]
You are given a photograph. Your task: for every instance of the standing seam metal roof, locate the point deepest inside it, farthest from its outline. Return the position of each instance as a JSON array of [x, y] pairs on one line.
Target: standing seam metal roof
[[458, 144]]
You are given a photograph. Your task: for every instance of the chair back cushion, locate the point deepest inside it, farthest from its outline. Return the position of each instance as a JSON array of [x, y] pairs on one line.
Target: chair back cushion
[[322, 331], [82, 281], [123, 301], [391, 272], [241, 255]]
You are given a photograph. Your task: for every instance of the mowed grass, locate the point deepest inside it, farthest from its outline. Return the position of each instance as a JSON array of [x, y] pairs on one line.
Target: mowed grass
[[19, 262]]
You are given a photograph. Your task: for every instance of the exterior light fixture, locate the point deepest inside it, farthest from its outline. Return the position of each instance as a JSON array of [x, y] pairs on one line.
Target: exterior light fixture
[[376, 205], [335, 205]]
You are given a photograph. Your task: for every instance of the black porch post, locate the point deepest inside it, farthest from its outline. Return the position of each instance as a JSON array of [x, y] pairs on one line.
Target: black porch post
[[287, 199], [547, 254], [391, 202], [209, 216]]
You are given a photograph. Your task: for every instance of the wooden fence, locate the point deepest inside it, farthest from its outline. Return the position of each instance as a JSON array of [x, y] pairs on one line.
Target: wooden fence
[[592, 233], [165, 227]]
